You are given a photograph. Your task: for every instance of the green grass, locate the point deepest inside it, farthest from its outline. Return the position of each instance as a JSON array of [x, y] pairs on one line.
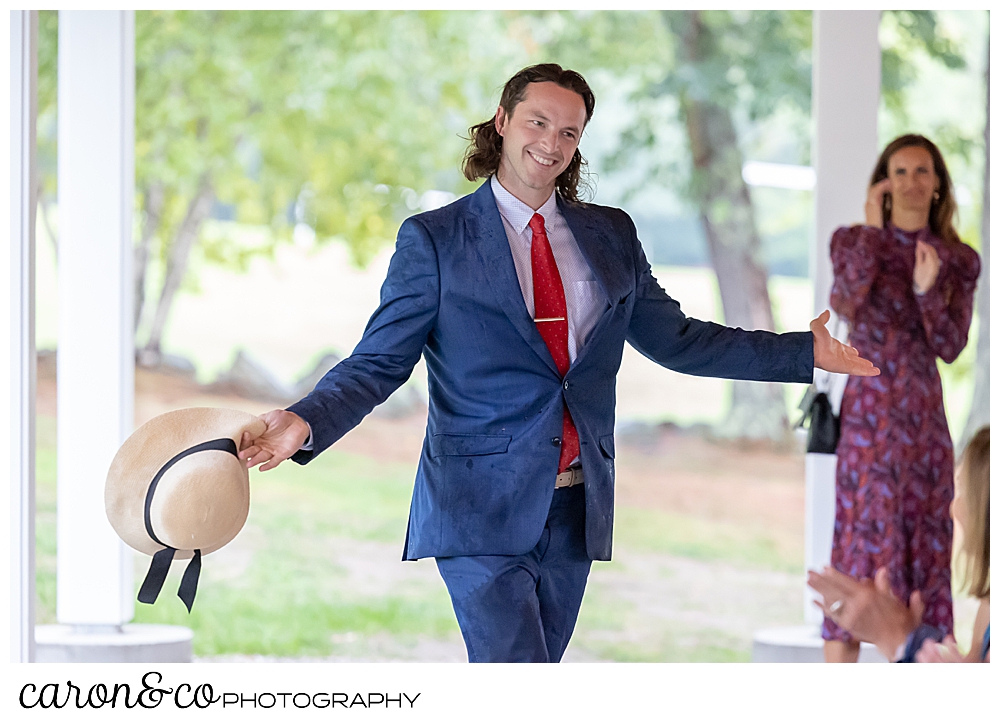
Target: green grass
[[45, 522], [289, 597], [278, 589], [603, 632], [273, 615], [338, 494], [648, 530], [289, 600], [672, 645]]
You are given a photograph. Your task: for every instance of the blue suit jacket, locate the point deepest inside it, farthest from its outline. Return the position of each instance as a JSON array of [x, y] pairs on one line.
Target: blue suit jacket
[[488, 464]]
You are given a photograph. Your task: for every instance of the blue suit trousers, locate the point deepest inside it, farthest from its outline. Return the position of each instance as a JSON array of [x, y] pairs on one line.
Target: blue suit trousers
[[523, 608]]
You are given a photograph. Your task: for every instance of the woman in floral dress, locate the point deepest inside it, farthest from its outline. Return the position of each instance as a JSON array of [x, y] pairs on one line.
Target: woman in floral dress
[[905, 283]]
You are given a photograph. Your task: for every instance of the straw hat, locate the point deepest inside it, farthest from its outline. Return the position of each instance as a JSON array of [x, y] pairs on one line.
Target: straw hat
[[176, 489]]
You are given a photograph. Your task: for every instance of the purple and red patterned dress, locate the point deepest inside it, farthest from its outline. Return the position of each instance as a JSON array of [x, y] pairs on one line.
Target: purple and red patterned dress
[[894, 461]]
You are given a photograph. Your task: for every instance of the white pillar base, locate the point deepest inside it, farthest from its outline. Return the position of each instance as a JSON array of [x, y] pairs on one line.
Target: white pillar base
[[801, 644], [112, 644]]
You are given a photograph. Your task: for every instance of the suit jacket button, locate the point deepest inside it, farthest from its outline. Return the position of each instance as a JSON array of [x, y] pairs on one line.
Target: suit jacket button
[[565, 385], [556, 441]]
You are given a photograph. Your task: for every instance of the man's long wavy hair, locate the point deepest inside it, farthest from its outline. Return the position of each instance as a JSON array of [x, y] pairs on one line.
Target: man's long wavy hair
[[943, 207], [974, 483], [482, 159]]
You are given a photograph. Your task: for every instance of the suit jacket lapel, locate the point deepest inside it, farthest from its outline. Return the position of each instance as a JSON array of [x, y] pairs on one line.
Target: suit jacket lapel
[[486, 231], [601, 250]]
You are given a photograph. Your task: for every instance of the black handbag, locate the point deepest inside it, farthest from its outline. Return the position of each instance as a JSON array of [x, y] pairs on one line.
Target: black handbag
[[824, 422], [824, 425]]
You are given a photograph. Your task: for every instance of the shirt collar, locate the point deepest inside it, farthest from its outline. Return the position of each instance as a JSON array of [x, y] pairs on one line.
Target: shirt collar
[[516, 211]]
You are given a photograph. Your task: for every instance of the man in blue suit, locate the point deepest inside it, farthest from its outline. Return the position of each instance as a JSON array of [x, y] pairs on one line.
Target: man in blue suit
[[521, 297]]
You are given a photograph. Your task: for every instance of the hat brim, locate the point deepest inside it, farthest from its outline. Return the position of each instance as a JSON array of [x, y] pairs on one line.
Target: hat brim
[[203, 499]]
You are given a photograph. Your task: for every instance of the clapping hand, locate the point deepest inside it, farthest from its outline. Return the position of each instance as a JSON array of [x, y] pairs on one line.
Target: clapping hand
[[926, 267], [867, 609], [833, 356]]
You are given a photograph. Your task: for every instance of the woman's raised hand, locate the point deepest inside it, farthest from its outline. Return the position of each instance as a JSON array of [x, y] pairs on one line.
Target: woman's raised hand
[[873, 204], [926, 267]]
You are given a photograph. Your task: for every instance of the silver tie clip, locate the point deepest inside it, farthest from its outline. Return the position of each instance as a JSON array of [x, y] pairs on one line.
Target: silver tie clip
[[553, 318]]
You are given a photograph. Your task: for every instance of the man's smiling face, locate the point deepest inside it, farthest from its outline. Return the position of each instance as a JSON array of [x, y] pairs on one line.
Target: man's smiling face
[[539, 139]]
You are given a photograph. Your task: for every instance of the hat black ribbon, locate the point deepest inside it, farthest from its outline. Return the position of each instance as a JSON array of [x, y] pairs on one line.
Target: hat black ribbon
[[160, 565]]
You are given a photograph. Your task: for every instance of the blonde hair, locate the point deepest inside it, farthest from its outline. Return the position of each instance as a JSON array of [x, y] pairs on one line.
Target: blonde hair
[[974, 477]]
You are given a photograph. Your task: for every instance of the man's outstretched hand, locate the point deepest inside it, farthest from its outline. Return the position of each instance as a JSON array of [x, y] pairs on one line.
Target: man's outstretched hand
[[285, 434], [833, 356]]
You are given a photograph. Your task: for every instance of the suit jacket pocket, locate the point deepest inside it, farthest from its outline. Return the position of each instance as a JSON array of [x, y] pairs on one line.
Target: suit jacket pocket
[[448, 445], [607, 443]]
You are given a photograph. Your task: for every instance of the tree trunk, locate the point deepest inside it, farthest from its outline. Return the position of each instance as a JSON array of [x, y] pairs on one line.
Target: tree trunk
[[757, 410], [180, 250], [979, 414], [153, 200]]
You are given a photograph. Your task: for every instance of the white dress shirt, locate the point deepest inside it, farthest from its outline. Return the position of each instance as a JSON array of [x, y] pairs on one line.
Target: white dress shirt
[[584, 301]]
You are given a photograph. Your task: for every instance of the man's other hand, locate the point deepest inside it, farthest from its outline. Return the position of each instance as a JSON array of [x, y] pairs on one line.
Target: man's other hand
[[285, 434], [833, 356]]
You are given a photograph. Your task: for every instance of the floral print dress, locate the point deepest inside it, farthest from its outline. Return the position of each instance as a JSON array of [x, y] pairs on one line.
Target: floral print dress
[[894, 460]]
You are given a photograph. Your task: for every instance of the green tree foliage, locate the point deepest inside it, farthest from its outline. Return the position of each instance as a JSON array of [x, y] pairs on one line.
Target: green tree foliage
[[911, 32], [48, 37], [340, 120], [916, 41], [335, 119]]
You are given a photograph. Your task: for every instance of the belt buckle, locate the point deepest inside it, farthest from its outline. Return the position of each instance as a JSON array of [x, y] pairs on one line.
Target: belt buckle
[[570, 478]]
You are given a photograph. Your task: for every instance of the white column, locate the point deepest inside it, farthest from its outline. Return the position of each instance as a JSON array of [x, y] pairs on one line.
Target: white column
[[96, 357], [21, 332], [846, 86]]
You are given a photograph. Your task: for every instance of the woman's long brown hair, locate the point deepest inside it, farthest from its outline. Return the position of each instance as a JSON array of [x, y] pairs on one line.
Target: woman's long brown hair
[[943, 207]]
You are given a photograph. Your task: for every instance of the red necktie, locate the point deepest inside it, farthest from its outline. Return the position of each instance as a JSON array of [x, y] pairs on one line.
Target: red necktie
[[551, 320]]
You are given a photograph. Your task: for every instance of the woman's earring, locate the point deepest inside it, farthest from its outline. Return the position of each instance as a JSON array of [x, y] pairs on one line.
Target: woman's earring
[[937, 196]]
